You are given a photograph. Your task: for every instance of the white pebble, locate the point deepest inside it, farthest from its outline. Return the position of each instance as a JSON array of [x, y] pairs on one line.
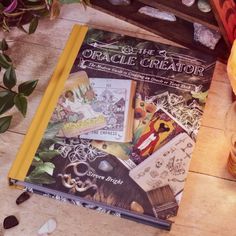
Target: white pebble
[[47, 227]]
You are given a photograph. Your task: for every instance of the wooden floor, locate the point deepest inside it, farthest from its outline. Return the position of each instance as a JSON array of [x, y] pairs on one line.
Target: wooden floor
[[208, 207]]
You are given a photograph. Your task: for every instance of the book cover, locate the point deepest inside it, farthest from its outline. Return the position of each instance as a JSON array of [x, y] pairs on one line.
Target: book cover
[[144, 178]]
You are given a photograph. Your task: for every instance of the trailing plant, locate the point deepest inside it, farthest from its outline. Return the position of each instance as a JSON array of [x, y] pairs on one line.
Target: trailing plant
[[25, 15], [17, 13], [12, 95]]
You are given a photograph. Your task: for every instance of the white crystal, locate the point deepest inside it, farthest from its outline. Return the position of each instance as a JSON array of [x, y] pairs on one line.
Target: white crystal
[[47, 228], [119, 2], [206, 36], [188, 3], [105, 166], [156, 13], [204, 6]]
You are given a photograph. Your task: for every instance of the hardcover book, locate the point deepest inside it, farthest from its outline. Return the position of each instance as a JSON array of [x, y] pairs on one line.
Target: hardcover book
[[141, 176]]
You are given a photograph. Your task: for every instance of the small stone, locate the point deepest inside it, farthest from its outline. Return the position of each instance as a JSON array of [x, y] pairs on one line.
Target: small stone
[[10, 221], [154, 12], [188, 3], [206, 36], [134, 206], [22, 198], [120, 2], [105, 166], [204, 6], [48, 227]]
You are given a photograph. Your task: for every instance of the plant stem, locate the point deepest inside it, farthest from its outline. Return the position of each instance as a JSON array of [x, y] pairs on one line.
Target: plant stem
[[7, 89]]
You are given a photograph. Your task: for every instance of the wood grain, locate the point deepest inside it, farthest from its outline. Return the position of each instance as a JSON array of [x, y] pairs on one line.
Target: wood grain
[[192, 14], [209, 202], [180, 31]]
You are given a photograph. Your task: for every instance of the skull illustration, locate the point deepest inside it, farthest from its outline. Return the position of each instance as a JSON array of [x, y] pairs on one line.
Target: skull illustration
[[159, 163]]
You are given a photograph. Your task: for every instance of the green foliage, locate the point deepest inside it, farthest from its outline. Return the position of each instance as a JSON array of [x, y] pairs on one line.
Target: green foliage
[[201, 96], [9, 97], [3, 45], [26, 12], [27, 87], [40, 178], [33, 25], [42, 172], [4, 123], [48, 155], [21, 103], [6, 101], [9, 78]]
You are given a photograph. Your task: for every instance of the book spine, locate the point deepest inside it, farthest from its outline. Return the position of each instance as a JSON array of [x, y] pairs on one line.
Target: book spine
[[40, 121], [154, 222]]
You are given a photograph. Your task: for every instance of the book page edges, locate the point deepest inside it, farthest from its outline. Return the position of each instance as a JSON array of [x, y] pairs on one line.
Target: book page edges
[[43, 114], [130, 128]]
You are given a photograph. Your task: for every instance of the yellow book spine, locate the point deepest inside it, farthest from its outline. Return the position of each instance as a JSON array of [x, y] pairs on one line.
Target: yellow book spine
[[40, 121]]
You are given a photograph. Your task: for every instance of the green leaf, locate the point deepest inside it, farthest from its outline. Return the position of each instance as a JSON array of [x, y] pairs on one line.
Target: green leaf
[[21, 103], [48, 155], [7, 57], [46, 167], [27, 87], [9, 78], [201, 96], [1, 7], [6, 101], [4, 62], [36, 162], [3, 45], [52, 130], [33, 25], [5, 123], [40, 178]]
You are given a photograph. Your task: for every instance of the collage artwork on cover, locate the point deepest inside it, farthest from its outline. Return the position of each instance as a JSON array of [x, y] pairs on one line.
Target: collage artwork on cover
[[125, 124]]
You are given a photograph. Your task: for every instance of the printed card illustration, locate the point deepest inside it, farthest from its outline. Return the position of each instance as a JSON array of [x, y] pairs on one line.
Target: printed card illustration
[[114, 101], [74, 107], [161, 129], [167, 166], [143, 112]]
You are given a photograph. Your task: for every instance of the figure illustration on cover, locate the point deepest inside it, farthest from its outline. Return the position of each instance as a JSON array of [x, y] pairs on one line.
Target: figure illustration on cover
[[111, 103], [74, 108]]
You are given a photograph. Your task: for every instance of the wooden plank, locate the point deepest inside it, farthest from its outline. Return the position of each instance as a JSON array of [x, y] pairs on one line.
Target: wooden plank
[[216, 107], [192, 14], [181, 31], [20, 124], [33, 62], [66, 21], [211, 153], [208, 205]]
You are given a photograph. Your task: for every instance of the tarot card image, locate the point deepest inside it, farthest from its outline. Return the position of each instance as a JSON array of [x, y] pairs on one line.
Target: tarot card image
[[74, 107], [167, 166], [114, 99], [160, 130]]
